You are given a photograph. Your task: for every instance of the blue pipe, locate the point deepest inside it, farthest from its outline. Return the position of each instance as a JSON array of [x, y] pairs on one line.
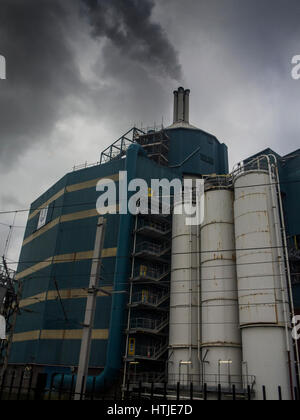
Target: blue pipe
[[122, 269]]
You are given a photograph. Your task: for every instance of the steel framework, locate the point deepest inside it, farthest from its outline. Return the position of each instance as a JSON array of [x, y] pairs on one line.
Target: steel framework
[[155, 142]]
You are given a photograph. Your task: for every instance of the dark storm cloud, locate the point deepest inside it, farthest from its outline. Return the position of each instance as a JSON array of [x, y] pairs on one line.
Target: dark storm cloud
[[41, 72], [43, 83], [128, 25]]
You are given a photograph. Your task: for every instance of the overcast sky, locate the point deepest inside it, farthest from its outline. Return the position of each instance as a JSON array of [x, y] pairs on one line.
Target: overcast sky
[[82, 72]]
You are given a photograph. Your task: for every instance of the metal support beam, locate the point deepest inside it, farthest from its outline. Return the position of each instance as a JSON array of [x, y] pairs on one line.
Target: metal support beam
[[90, 311]]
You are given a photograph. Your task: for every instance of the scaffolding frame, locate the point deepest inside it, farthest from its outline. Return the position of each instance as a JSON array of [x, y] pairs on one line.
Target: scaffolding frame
[[155, 142], [118, 149], [148, 321]]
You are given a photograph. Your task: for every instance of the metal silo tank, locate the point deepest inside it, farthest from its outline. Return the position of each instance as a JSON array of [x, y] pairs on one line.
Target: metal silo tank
[[183, 364], [221, 351], [262, 289]]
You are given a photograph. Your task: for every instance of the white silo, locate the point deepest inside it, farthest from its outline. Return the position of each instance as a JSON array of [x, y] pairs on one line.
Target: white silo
[[183, 364], [221, 351], [262, 285]]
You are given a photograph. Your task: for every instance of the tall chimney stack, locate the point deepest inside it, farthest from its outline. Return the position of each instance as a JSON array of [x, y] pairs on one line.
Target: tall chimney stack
[[181, 105], [187, 106], [175, 106]]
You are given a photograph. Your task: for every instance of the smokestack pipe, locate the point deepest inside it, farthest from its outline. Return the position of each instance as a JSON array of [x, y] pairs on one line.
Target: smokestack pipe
[[175, 106], [181, 105], [180, 116], [187, 106]]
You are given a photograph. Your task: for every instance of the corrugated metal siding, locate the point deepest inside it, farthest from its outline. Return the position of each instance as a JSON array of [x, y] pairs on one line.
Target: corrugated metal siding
[[63, 239], [212, 157]]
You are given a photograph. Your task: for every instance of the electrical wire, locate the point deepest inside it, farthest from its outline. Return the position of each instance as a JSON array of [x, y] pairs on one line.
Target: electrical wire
[[17, 227]]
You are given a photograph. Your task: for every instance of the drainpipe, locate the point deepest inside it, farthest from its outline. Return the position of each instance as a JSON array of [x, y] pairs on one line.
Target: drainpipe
[[117, 321]]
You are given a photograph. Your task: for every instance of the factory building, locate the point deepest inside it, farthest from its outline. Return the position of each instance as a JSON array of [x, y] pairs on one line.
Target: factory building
[[208, 304]]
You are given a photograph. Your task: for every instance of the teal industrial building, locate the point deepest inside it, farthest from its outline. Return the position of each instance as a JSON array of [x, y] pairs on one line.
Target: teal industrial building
[[57, 252]]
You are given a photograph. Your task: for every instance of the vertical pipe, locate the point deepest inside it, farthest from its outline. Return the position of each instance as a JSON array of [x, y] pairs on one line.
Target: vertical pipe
[[199, 337], [279, 242], [187, 105], [130, 302], [175, 118], [191, 298], [287, 260], [180, 117]]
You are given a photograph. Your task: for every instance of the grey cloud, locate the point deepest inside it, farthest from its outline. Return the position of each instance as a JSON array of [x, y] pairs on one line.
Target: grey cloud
[[41, 72], [44, 85]]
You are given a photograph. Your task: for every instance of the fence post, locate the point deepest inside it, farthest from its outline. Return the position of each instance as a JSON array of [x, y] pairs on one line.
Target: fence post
[[279, 393], [82, 388], [205, 392], [11, 384], [72, 386], [178, 391], [20, 385], [152, 390], [249, 393], [61, 386], [219, 392], [191, 391], [233, 393], [2, 385], [51, 386], [264, 393], [165, 390], [30, 385], [296, 394]]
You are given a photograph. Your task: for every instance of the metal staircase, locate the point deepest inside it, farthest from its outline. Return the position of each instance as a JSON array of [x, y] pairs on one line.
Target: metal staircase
[[153, 251], [151, 352], [145, 300], [154, 228], [147, 274], [148, 319], [153, 326]]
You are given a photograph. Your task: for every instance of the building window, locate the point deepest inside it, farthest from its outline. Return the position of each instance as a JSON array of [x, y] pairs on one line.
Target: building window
[[43, 217]]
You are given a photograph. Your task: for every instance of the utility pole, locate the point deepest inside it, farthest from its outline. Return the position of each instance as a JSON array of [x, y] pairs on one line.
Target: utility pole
[[90, 311], [10, 297]]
